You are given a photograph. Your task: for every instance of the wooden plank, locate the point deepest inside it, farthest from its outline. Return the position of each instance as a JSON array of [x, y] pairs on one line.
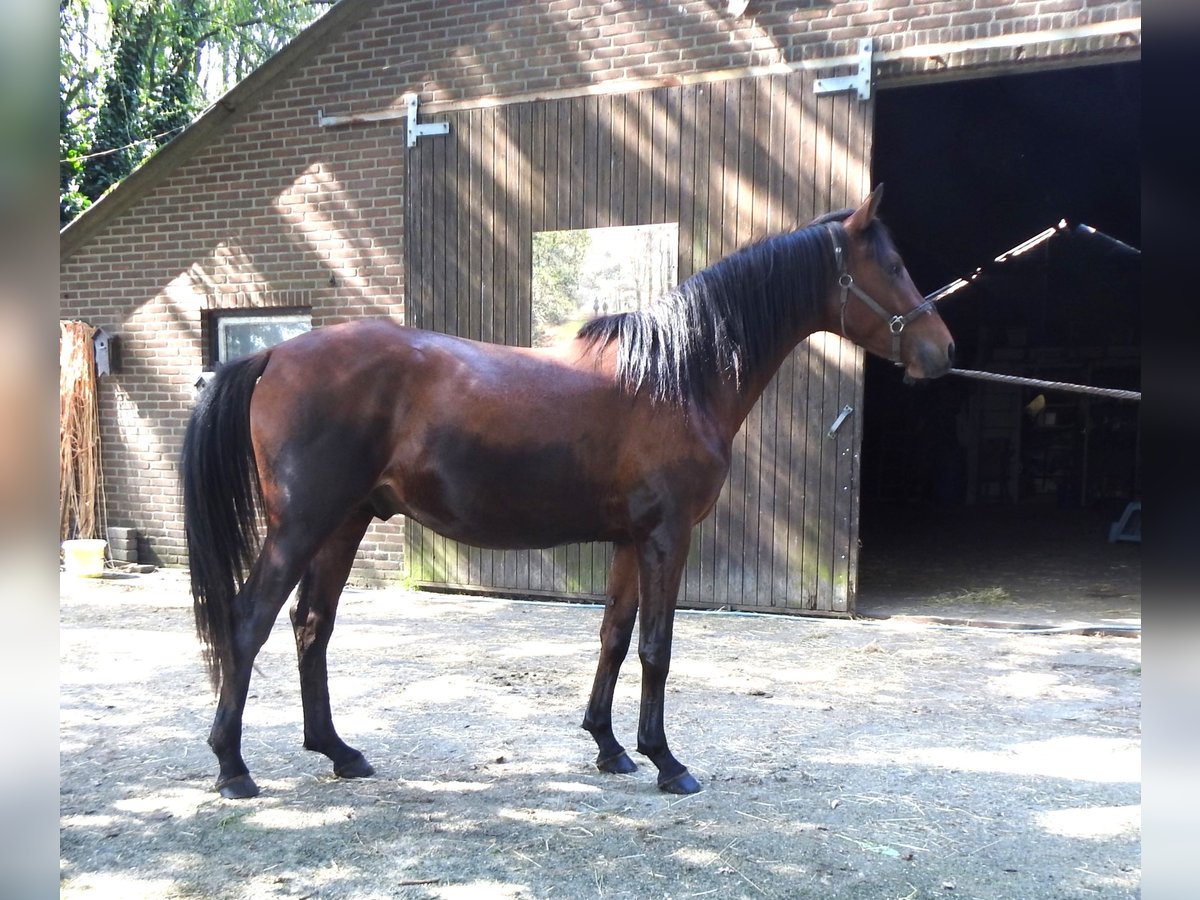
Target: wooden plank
[[454, 300], [506, 168], [458, 294], [826, 106], [425, 245], [775, 90], [487, 225], [785, 425], [524, 237], [816, 560], [490, 293], [472, 250], [614, 175], [717, 162], [414, 298], [739, 142], [562, 168], [787, 113], [828, 465], [605, 144], [589, 172], [630, 211], [753, 209], [672, 113], [497, 166], [862, 134], [704, 174], [831, 489], [800, 588], [503, 165], [537, 166], [806, 199], [414, 239], [747, 102], [689, 175], [651, 190], [576, 178], [539, 209], [551, 171], [684, 169], [637, 163], [437, 234]]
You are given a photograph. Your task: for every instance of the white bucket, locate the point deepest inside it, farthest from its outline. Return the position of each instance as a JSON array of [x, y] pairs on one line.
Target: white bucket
[[84, 557]]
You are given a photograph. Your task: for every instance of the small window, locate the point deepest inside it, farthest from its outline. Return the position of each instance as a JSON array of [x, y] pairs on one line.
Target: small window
[[594, 271], [238, 333]]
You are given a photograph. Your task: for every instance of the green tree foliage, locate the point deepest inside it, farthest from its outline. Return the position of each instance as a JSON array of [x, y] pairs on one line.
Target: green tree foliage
[[134, 73], [558, 259]]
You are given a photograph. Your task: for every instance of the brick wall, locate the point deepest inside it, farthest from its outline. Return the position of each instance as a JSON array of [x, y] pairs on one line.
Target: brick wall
[[274, 209]]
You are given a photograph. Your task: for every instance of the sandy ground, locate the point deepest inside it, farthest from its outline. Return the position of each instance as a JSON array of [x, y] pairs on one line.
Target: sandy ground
[[839, 759]]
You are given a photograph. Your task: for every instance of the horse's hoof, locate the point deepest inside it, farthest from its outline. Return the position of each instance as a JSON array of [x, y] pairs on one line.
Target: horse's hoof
[[358, 767], [239, 787], [683, 783], [620, 764]]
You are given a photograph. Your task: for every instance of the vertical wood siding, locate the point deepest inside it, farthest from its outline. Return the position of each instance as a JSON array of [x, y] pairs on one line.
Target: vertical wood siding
[[730, 162]]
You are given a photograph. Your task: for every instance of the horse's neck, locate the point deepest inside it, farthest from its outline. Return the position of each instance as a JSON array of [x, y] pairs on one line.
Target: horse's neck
[[733, 401]]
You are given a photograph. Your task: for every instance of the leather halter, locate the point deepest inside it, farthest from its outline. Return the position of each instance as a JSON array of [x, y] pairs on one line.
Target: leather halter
[[895, 323]]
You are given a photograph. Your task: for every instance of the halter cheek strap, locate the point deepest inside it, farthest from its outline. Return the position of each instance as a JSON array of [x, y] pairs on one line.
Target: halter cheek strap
[[896, 323]]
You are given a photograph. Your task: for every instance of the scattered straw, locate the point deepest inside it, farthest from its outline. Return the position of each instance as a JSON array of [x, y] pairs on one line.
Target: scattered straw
[[989, 595]]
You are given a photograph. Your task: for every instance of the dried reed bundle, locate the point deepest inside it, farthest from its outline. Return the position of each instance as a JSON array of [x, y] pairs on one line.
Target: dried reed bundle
[[80, 482]]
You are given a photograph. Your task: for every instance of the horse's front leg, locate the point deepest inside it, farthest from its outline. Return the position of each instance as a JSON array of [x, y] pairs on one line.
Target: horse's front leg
[[660, 562], [312, 622], [615, 633]]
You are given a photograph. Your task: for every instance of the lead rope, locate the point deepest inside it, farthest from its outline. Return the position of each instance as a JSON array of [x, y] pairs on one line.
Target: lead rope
[[1114, 393]]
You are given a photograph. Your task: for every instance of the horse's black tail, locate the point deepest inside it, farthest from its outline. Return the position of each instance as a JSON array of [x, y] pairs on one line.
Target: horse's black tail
[[221, 499]]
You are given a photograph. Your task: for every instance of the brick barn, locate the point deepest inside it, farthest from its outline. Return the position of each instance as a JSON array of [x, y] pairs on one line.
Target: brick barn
[[306, 197]]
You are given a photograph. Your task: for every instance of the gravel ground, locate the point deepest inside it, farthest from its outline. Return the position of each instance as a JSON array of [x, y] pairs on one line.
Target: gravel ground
[[839, 759]]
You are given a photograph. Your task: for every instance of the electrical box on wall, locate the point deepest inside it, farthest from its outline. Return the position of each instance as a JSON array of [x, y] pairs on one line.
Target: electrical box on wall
[[107, 349]]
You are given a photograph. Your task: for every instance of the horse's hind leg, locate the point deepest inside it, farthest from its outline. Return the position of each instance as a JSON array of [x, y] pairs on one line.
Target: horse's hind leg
[[615, 633], [312, 621], [256, 607]]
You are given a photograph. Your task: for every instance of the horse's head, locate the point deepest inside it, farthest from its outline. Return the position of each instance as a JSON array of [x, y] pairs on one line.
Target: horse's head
[[876, 304]]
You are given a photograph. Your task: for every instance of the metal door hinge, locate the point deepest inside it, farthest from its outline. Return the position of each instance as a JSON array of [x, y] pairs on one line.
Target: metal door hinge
[[417, 131], [860, 81]]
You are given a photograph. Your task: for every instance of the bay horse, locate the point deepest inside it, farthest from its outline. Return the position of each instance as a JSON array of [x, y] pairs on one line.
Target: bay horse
[[622, 434]]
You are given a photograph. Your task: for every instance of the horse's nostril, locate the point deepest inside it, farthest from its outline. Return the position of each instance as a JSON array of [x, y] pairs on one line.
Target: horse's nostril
[[950, 353]]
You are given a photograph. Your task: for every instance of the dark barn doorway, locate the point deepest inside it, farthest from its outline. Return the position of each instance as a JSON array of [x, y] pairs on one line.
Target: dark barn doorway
[[976, 494]]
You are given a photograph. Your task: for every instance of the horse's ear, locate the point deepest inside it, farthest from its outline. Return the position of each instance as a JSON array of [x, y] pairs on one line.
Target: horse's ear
[[862, 217]]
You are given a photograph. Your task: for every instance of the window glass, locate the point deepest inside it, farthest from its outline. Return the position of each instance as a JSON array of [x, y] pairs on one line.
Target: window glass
[[591, 272], [239, 334]]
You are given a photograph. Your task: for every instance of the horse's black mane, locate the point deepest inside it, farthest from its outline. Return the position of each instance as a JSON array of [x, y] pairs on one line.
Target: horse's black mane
[[727, 318]]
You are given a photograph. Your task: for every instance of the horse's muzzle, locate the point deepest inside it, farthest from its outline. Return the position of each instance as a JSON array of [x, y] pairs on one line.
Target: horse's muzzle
[[931, 362]]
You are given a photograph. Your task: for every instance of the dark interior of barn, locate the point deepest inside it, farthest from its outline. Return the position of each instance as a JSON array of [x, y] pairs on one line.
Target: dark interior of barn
[[1028, 187]]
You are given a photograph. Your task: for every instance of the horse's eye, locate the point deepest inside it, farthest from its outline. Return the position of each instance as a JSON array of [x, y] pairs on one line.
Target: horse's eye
[[895, 269]]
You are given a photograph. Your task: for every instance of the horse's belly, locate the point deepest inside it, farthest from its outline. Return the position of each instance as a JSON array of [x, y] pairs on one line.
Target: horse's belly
[[569, 478], [511, 504], [510, 520]]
